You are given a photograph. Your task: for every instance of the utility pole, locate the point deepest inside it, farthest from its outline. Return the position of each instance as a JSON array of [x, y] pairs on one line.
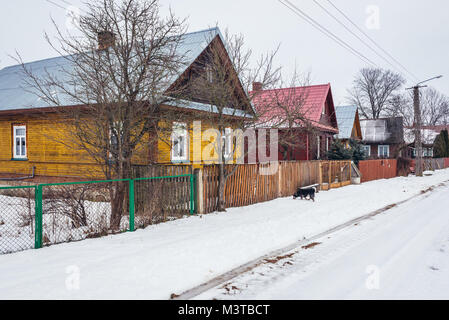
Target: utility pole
[[417, 127]]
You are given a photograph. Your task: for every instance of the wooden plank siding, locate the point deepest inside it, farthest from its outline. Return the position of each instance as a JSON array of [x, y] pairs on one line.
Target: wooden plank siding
[[49, 150]]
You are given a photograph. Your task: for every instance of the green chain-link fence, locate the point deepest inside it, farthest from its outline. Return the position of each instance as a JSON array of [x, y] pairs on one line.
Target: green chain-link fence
[[17, 218], [46, 214]]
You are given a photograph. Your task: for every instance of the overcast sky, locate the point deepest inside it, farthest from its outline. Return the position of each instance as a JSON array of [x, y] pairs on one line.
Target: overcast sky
[[414, 32]]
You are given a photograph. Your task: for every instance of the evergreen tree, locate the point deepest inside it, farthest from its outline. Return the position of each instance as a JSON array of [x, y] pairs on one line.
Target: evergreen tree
[[358, 153], [441, 145], [339, 152]]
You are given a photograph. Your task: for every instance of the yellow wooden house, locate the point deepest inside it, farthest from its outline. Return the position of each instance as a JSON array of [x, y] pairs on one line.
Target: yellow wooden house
[[32, 137]]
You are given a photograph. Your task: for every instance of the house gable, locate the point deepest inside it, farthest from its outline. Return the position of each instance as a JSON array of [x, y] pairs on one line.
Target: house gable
[[198, 68]]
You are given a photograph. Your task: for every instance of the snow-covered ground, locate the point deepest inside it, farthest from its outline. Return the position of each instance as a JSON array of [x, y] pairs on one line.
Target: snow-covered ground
[[400, 254], [173, 257]]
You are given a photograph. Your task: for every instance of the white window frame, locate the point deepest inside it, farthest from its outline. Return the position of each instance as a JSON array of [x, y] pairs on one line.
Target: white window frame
[[227, 142], [180, 130], [381, 147], [22, 138], [367, 148], [118, 125], [318, 144]]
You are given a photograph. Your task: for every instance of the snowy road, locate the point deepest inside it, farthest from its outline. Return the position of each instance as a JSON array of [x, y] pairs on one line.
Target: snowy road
[[179, 255], [400, 254]]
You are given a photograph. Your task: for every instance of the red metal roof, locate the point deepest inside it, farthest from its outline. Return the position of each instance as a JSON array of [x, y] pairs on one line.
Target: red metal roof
[[280, 104]]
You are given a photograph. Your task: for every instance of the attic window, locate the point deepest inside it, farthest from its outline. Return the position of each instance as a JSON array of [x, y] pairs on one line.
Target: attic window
[[209, 74]]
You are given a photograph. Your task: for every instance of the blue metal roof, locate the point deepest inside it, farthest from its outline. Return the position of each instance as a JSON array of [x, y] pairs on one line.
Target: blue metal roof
[[345, 119], [14, 93]]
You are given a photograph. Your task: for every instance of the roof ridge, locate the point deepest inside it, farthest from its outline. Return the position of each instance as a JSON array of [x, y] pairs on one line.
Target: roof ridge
[[201, 31], [60, 56], [287, 88]]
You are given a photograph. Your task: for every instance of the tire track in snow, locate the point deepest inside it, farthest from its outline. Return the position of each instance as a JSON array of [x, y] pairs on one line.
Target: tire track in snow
[[227, 276]]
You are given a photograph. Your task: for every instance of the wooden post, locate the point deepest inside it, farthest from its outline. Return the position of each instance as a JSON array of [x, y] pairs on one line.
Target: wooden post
[[199, 189], [279, 179], [320, 173]]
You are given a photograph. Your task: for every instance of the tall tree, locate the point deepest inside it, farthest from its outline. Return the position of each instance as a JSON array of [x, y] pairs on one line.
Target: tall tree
[[116, 70], [372, 90], [223, 82], [434, 107]]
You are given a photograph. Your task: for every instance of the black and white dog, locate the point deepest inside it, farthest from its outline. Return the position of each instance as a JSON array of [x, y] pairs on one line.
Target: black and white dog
[[303, 193]]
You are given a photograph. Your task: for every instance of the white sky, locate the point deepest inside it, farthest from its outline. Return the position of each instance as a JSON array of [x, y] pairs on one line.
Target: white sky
[[414, 32]]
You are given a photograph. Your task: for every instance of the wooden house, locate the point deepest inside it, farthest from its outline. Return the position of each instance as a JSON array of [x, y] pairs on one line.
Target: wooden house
[[313, 126], [27, 124], [383, 138], [348, 124], [428, 136]]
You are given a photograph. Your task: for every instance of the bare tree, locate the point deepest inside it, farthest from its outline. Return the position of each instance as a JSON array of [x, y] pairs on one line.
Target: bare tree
[[434, 107], [222, 80], [116, 73], [372, 90]]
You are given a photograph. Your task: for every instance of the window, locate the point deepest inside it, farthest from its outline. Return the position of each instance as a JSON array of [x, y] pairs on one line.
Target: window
[[20, 142], [179, 138], [367, 150], [384, 151], [114, 133], [209, 74], [318, 147], [227, 142], [428, 152]]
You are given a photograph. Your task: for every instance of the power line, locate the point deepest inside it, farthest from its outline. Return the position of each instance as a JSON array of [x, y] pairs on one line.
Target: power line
[[372, 40], [357, 36], [65, 2], [55, 4], [325, 31]]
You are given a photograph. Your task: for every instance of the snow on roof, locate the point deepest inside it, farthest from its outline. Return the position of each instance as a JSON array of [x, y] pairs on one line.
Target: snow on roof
[[387, 130], [15, 95], [427, 135], [345, 119]]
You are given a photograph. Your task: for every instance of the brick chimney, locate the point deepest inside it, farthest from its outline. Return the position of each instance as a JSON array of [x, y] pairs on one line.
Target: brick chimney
[[106, 39], [257, 86]]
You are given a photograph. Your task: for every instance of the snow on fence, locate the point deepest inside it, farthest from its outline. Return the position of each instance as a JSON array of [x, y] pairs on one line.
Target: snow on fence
[[378, 169]]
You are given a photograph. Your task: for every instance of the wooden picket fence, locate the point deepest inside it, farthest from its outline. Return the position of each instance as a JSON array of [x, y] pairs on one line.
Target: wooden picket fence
[[335, 174], [160, 200], [254, 183]]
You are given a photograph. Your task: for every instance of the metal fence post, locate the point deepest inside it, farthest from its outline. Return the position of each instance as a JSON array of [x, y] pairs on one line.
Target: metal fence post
[[192, 194], [38, 217], [131, 205]]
